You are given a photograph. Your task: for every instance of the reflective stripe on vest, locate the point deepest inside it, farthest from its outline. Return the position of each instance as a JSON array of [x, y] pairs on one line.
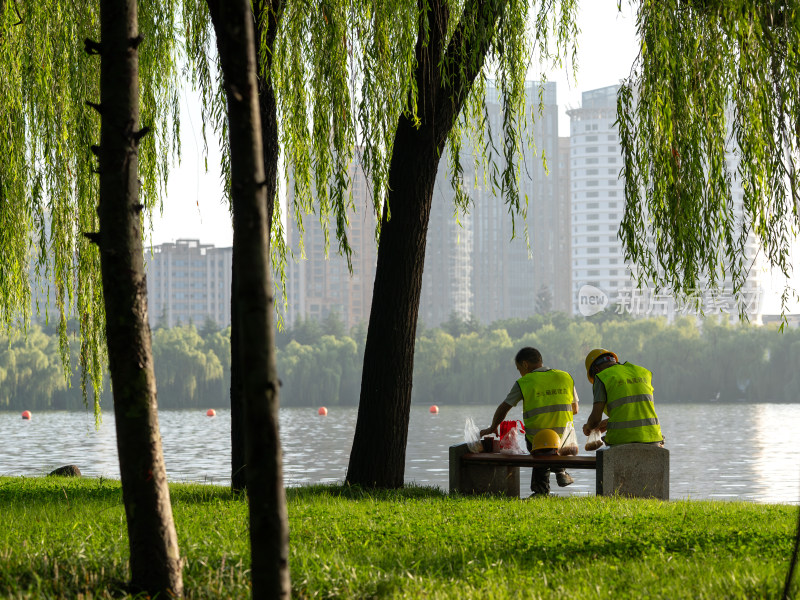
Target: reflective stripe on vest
[[547, 398], [629, 405]]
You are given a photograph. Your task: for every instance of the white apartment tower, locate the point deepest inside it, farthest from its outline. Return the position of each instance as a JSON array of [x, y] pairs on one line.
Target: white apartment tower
[[597, 196]]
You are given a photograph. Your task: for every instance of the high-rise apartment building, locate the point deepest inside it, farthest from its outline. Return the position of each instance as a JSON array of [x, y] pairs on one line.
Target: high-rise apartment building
[[511, 278], [597, 196], [318, 284], [447, 276], [188, 282], [562, 261]]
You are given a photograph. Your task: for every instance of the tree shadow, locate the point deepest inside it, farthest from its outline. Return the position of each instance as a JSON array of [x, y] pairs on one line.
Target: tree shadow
[[357, 492]]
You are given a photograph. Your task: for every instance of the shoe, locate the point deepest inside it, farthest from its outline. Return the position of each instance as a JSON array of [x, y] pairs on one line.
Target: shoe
[[564, 479]]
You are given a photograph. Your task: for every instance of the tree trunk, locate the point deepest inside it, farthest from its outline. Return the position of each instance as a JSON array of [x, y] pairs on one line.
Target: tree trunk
[[787, 588], [267, 18], [378, 455], [269, 530], [379, 445], [238, 474], [154, 555]]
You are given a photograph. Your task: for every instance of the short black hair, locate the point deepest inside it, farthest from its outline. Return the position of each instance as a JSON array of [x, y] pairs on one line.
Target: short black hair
[[531, 355]]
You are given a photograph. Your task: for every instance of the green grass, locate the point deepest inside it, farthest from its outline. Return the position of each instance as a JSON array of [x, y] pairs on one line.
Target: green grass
[[67, 538]]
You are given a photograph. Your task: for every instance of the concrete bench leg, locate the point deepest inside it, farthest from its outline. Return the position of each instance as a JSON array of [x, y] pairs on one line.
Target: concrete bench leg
[[481, 479], [634, 470]]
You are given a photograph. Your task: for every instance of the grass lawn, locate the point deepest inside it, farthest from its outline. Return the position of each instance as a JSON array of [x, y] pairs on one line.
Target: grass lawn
[[67, 538]]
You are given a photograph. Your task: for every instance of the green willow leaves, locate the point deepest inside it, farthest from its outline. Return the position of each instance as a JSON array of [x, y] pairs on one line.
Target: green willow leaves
[[344, 73], [48, 187], [712, 100]]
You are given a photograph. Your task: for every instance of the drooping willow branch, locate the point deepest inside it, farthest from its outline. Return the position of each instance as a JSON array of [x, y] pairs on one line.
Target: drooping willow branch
[[709, 123]]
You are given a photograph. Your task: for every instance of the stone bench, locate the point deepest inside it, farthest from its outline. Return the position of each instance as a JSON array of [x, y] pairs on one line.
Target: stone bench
[[634, 470]]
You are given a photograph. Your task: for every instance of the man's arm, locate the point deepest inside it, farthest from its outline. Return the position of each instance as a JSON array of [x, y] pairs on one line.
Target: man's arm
[[594, 420], [513, 398], [574, 401], [499, 417]]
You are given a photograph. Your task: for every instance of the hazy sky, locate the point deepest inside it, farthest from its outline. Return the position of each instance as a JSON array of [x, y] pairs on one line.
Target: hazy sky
[[195, 208]]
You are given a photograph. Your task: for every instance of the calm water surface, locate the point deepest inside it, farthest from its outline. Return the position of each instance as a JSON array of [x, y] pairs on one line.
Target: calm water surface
[[717, 451]]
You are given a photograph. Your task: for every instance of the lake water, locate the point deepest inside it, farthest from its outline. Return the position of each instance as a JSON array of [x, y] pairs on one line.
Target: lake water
[[717, 451]]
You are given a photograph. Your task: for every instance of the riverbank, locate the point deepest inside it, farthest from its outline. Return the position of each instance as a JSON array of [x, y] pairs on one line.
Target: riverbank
[[64, 537]]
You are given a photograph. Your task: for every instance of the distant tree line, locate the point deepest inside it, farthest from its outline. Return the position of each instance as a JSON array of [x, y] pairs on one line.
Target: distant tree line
[[461, 362]]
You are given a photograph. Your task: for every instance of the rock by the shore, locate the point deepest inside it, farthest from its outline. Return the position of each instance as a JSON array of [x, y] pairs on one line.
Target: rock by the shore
[[67, 471]]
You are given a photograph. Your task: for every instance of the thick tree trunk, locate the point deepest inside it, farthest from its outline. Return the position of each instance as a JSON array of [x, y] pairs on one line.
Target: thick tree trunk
[[379, 445], [269, 530], [267, 17], [154, 556], [378, 455]]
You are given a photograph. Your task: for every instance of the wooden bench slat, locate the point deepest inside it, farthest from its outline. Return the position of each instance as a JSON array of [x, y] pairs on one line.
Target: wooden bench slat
[[527, 460]]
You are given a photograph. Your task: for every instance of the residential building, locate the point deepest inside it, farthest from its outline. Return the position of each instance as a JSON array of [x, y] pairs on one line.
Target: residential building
[[597, 196], [318, 281], [512, 277], [562, 255], [447, 276], [188, 282]]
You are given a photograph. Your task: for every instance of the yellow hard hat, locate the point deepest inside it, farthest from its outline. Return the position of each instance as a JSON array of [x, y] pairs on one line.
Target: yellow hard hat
[[593, 356], [546, 438]]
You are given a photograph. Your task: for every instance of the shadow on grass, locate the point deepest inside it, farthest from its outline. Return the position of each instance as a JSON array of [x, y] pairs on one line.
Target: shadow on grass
[[58, 489], [357, 492], [63, 581], [68, 489]]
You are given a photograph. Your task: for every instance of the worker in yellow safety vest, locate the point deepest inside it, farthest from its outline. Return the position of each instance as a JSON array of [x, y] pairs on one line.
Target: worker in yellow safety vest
[[624, 392], [549, 400]]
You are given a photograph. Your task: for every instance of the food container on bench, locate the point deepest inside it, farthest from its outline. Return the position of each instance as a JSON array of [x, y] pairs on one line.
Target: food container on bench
[[487, 444], [507, 426]]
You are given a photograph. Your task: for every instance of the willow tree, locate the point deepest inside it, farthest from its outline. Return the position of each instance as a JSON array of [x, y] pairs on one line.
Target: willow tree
[[392, 78], [455, 45], [713, 80], [49, 190], [305, 112]]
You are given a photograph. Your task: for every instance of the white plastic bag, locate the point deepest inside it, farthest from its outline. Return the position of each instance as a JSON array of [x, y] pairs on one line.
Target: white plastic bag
[[594, 441], [569, 443], [472, 436], [513, 442]]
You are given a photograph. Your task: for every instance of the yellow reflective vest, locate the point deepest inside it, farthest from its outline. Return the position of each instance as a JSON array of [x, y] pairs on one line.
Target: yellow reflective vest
[[546, 401], [629, 405]]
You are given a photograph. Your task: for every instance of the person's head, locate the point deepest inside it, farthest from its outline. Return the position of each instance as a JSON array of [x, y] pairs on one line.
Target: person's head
[[528, 359], [597, 360]]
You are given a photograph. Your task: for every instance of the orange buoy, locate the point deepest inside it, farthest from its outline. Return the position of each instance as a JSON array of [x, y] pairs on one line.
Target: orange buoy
[[211, 412], [434, 410], [323, 412], [26, 414]]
